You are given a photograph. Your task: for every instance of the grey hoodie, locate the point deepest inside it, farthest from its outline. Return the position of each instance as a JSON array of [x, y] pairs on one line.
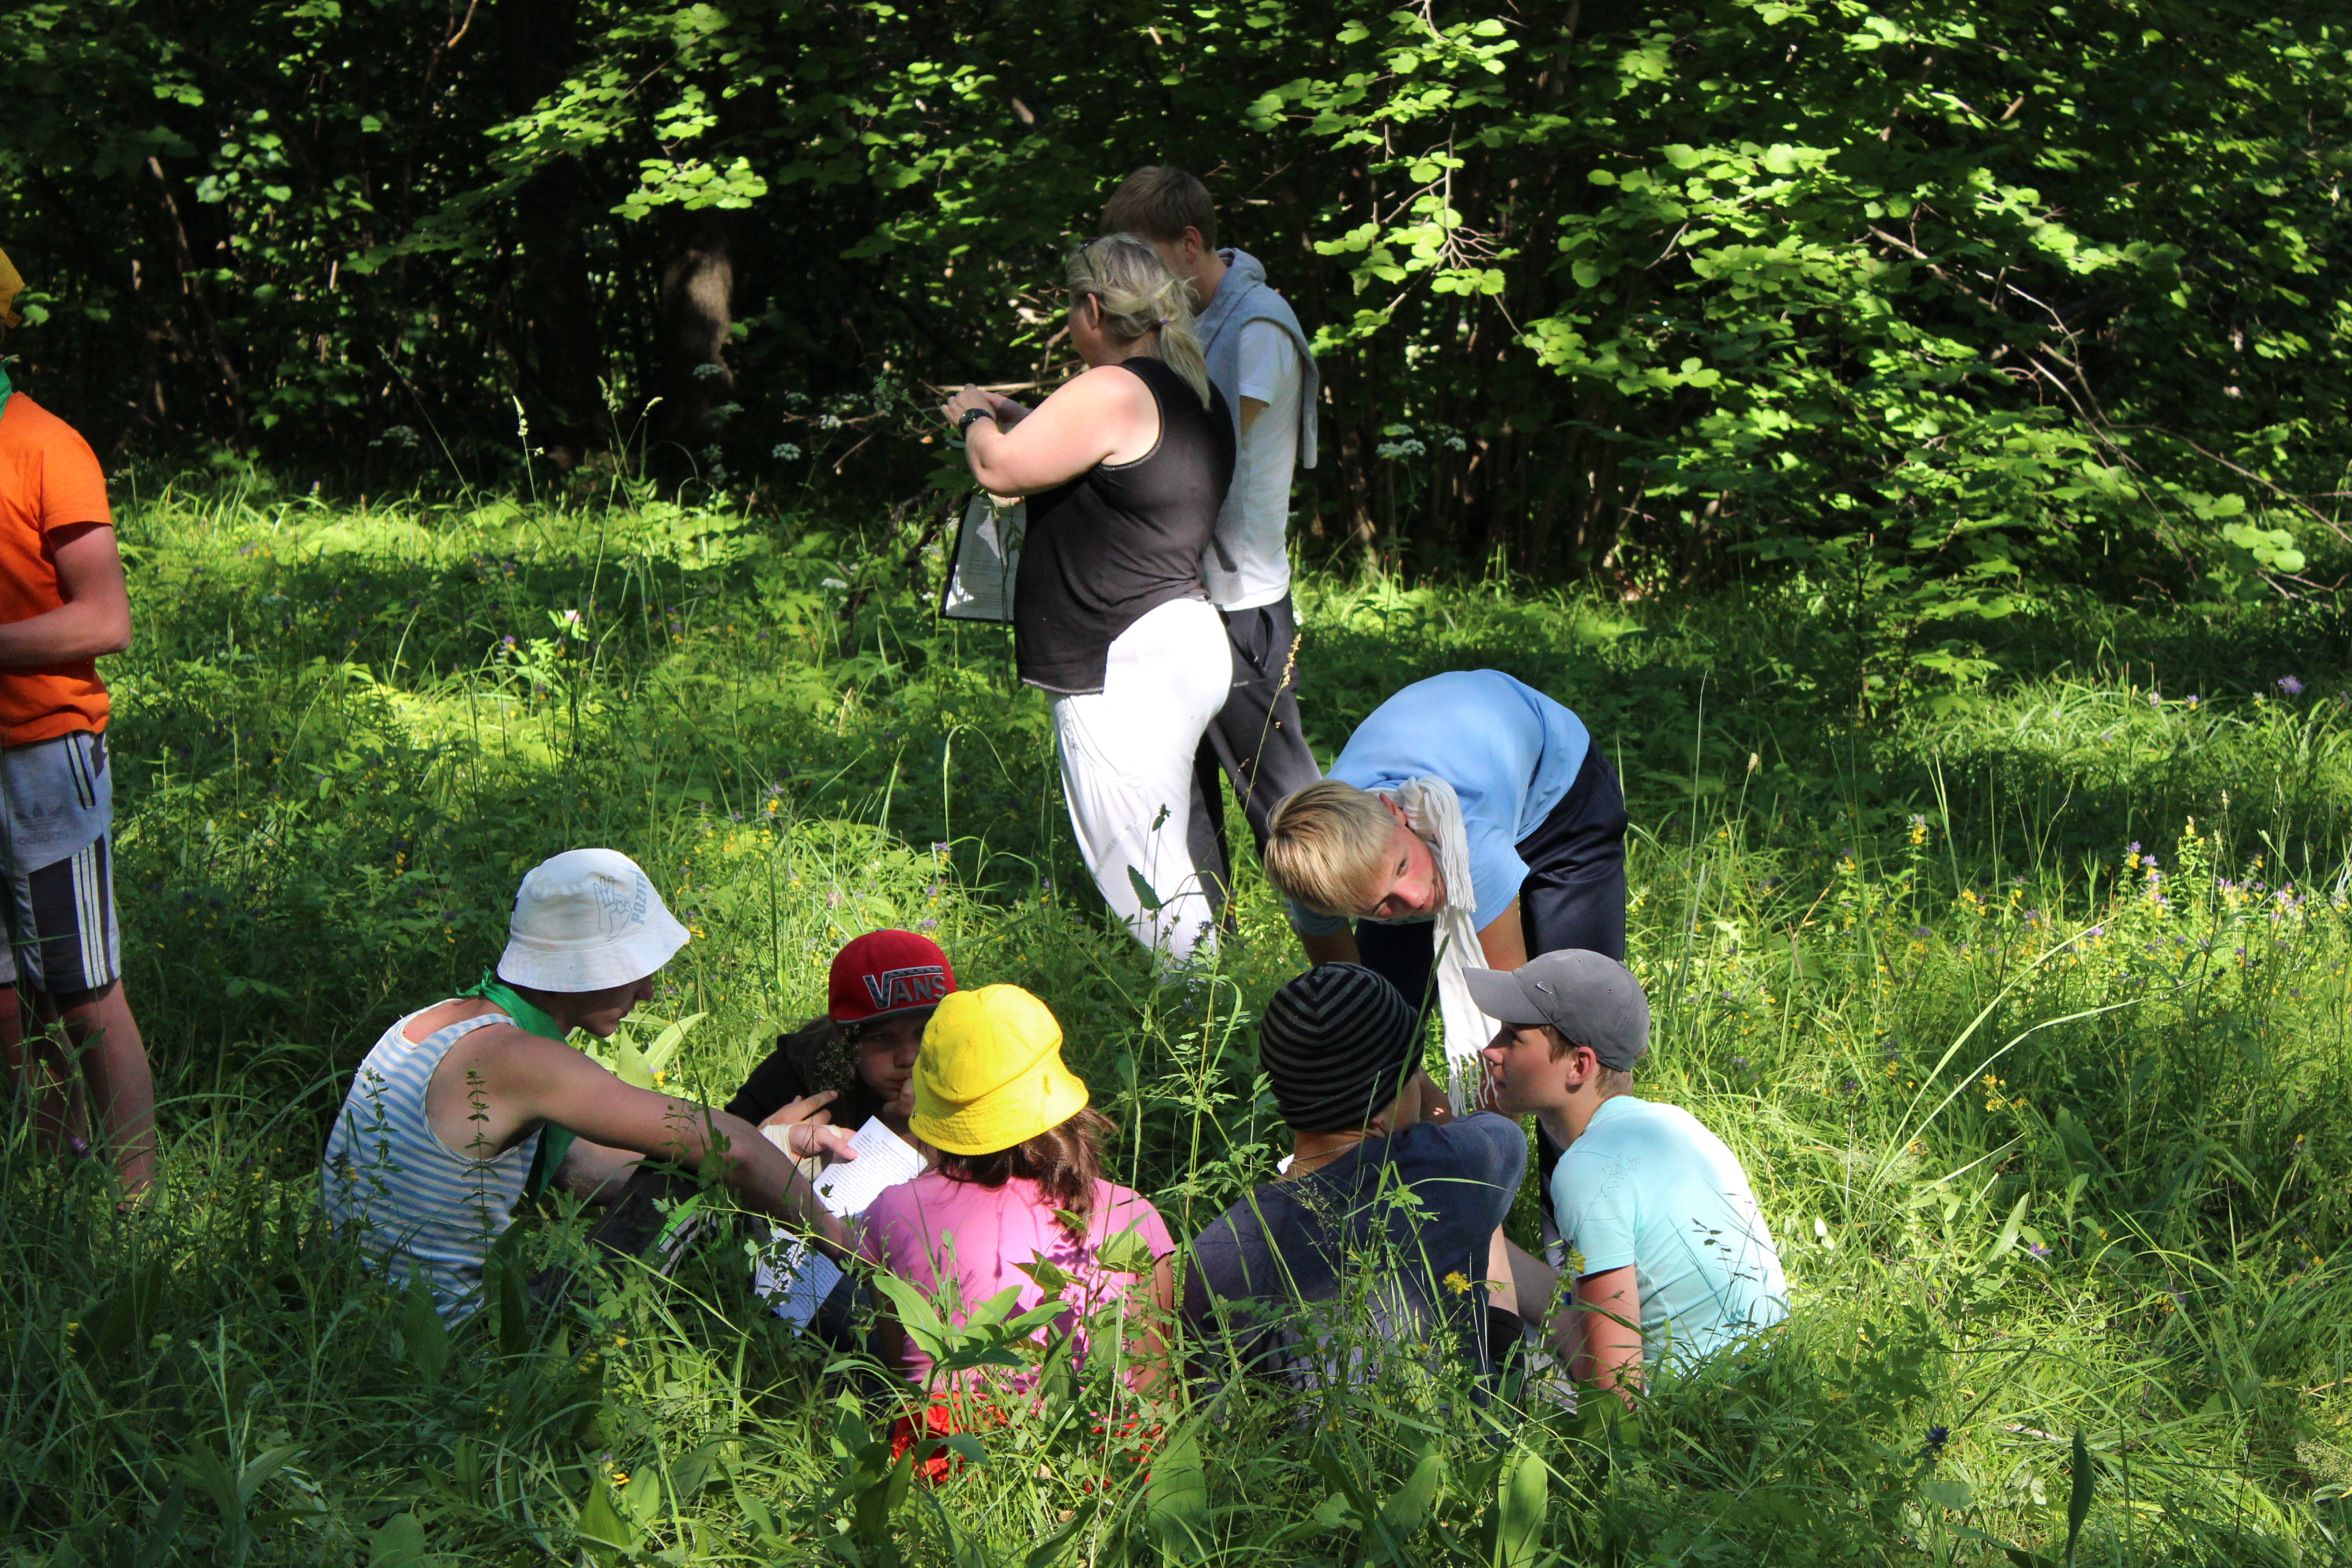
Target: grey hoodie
[[1244, 295]]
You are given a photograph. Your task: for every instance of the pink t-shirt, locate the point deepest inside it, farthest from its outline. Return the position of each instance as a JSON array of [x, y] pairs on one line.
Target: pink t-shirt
[[934, 1231]]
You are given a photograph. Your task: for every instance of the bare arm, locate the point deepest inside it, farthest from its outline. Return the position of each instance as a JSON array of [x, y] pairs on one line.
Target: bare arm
[[95, 618], [1608, 1312], [1251, 408], [528, 1080], [595, 1173], [1107, 414], [1502, 1279], [1339, 947], [1504, 943]]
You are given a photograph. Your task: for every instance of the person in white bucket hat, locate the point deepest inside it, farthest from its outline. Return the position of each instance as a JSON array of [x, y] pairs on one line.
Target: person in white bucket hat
[[463, 1110]]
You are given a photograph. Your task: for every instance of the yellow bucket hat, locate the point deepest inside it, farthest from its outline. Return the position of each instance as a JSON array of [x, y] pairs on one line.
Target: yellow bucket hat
[[12, 283], [990, 1074]]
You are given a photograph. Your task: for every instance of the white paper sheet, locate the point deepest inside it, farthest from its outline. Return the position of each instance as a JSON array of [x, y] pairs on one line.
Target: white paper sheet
[[987, 560], [806, 1276]]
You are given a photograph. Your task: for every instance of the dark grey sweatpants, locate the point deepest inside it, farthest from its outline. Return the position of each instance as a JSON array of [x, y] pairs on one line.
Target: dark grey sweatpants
[[1254, 741]]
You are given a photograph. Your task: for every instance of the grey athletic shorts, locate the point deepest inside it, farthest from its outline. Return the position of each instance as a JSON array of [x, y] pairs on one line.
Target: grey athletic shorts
[[57, 862]]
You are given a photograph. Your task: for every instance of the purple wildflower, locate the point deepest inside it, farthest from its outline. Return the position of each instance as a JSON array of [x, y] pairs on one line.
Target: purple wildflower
[[2289, 685], [2039, 1250]]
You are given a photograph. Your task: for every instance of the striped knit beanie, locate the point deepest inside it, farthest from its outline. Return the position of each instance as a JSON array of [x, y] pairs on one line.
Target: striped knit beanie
[[1338, 1043]]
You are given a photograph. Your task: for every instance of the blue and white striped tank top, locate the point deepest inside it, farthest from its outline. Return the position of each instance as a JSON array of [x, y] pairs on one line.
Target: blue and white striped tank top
[[416, 1202]]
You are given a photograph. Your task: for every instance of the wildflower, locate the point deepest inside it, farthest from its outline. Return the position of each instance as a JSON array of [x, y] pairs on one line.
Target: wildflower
[[1936, 1437], [1739, 1062], [2192, 702], [1458, 1282], [2039, 1251], [2154, 700], [2289, 685], [1849, 1085]]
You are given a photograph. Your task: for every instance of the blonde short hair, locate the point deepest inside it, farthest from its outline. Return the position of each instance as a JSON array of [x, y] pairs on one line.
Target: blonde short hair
[[1327, 844]]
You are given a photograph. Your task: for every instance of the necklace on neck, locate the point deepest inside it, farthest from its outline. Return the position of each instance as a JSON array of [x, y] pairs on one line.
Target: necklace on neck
[[1303, 1164]]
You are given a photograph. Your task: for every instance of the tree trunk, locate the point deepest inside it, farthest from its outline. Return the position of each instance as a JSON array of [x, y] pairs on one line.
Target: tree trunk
[[697, 318], [562, 352]]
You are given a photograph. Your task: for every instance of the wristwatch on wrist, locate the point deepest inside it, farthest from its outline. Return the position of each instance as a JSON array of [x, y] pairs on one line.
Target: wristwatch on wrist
[[963, 426]]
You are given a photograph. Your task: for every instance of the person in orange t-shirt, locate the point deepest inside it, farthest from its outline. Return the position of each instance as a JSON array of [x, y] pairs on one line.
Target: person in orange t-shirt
[[63, 602]]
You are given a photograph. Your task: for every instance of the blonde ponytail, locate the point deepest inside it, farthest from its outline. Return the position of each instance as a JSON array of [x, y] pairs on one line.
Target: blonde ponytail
[[1137, 294]]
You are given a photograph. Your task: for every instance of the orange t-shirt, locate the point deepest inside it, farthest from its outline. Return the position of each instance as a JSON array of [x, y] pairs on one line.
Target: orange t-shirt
[[49, 480]]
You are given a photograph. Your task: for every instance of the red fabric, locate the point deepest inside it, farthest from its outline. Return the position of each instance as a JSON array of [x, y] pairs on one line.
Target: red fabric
[[886, 972], [949, 1414], [49, 480]]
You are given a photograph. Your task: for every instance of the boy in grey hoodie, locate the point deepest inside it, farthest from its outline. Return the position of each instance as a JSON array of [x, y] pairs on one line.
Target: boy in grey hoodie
[[1259, 357]]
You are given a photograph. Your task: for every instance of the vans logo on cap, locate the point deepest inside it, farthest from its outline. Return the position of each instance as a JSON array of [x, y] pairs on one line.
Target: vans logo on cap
[[896, 988]]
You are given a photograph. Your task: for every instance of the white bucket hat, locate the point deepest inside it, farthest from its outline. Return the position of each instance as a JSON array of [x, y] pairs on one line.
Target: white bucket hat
[[587, 920]]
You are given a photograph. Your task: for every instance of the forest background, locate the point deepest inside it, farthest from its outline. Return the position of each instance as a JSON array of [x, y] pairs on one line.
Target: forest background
[[1941, 304], [1913, 437]]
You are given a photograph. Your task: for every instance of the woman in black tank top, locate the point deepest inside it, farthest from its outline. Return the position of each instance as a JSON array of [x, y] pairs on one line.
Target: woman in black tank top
[[1125, 469]]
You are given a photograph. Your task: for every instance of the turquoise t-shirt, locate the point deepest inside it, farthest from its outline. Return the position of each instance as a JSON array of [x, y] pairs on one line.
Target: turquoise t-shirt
[[1647, 1185], [1510, 752]]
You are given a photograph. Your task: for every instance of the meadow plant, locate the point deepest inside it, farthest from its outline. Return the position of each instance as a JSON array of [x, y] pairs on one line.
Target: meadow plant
[[2026, 1015]]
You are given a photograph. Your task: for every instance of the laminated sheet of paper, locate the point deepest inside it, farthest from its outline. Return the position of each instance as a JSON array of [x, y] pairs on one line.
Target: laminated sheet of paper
[[800, 1274], [987, 560]]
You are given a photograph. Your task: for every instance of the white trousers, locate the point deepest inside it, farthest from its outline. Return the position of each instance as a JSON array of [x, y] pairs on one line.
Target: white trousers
[[1127, 770]]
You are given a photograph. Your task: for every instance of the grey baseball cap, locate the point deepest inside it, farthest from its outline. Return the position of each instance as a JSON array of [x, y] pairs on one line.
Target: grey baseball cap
[[1591, 999]]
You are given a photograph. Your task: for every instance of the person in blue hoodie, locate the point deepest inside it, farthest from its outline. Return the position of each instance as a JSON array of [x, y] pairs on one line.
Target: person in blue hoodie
[[1259, 358]]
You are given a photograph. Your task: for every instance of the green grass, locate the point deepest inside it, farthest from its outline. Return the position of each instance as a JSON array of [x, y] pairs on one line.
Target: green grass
[[2049, 1159]]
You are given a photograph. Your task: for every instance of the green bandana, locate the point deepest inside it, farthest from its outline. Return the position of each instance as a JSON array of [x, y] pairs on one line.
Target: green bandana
[[555, 1142]]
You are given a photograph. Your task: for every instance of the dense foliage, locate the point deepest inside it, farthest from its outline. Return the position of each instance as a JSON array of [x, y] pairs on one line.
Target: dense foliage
[[1934, 304], [2029, 1021]]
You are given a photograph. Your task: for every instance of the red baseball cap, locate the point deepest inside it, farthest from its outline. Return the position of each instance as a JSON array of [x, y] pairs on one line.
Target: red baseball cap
[[886, 972]]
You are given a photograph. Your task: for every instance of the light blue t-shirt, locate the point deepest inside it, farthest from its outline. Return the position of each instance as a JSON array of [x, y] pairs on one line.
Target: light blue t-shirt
[[1647, 1185], [1510, 752]]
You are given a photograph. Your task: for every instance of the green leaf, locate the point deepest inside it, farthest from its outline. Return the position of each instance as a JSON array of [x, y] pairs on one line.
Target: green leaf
[[1406, 1509], [423, 1338], [606, 1536], [1176, 1497], [398, 1542], [1127, 1253], [1520, 1505], [2078, 1499], [1943, 1491], [2008, 1236]]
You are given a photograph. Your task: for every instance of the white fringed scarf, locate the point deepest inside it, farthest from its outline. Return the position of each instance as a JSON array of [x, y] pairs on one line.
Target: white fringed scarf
[[1433, 810]]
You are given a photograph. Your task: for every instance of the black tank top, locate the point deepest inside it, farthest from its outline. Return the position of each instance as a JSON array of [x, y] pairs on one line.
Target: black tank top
[[1109, 547]]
